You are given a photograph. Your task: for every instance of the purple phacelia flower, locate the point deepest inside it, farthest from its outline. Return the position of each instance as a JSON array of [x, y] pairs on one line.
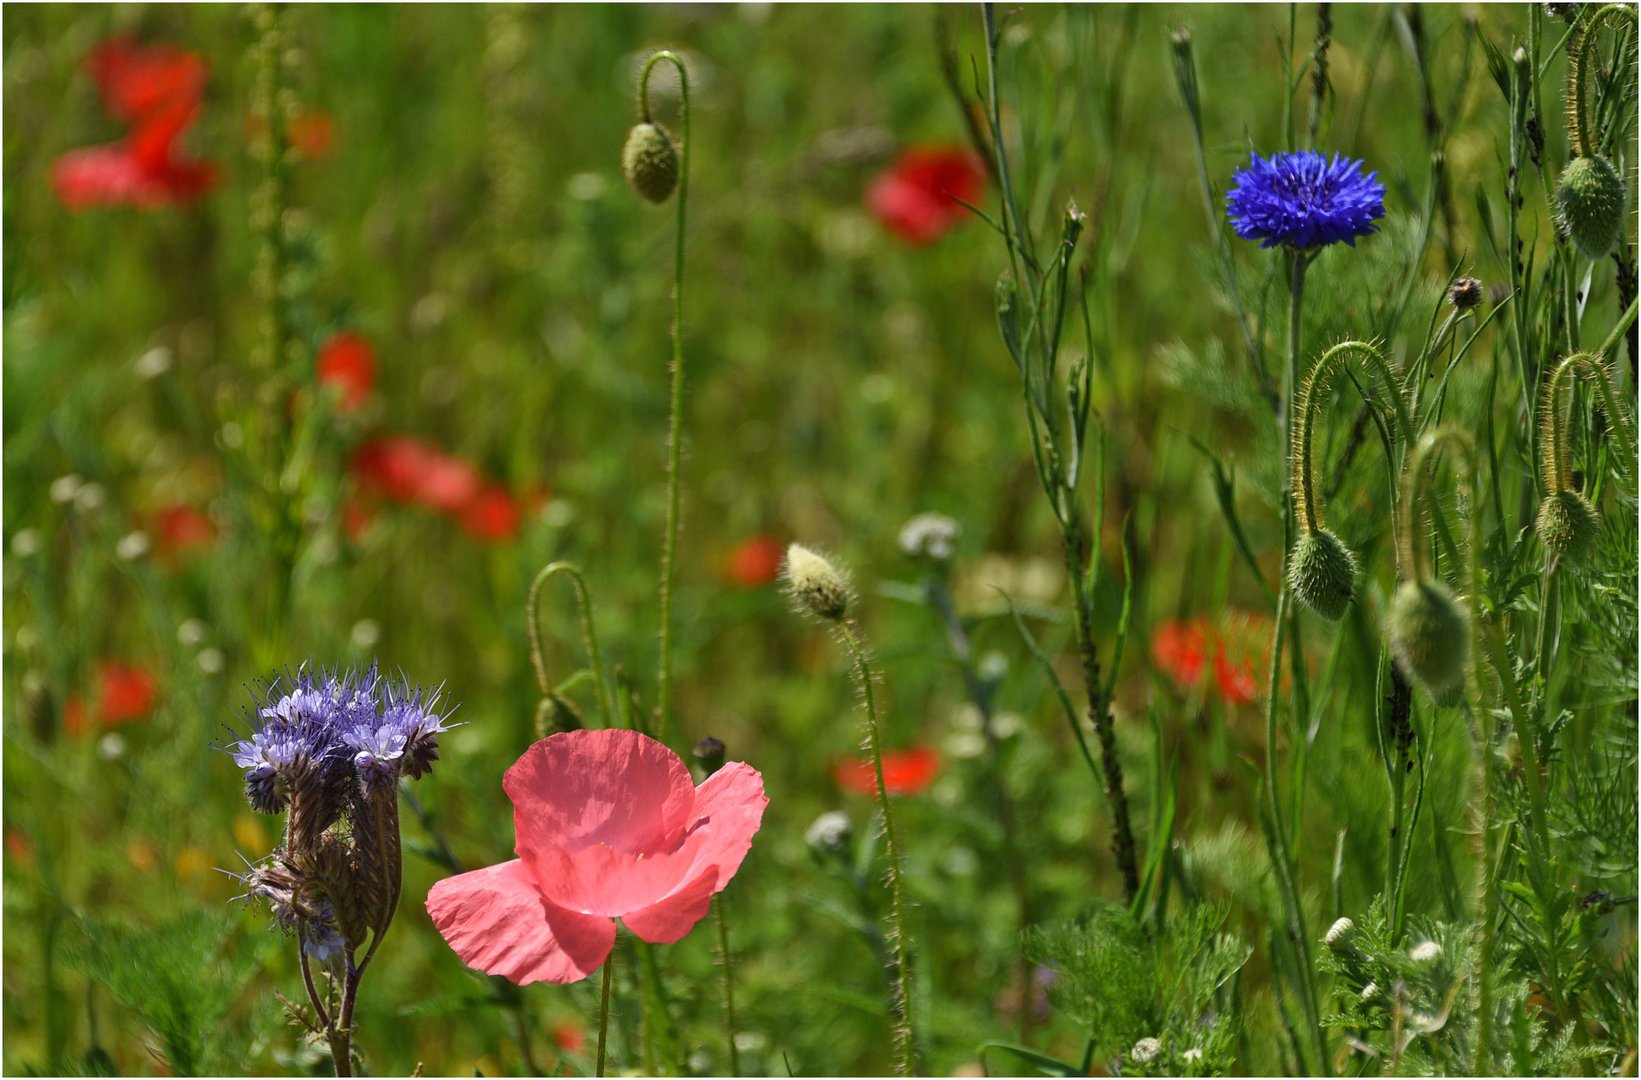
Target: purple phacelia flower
[[1304, 201]]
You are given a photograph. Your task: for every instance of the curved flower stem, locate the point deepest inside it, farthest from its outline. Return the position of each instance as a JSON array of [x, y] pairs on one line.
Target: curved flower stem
[[675, 433], [897, 914], [604, 1012], [589, 637], [729, 984]]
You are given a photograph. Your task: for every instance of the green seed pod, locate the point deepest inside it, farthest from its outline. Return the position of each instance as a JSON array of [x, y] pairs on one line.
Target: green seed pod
[[649, 160], [1590, 205], [1429, 635], [1568, 526], [1322, 573]]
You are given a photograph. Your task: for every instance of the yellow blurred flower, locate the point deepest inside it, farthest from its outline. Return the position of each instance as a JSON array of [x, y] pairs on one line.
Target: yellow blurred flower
[[249, 835]]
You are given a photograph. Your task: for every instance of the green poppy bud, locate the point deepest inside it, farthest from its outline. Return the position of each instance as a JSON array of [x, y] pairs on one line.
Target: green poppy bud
[[1590, 205], [1429, 635], [1568, 526], [1322, 573], [649, 160]]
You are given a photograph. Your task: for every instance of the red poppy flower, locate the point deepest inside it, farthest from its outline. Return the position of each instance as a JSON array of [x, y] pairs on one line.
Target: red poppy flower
[[756, 561], [569, 1036], [123, 694], [1243, 654], [348, 363], [905, 772], [406, 469], [157, 91], [1180, 649], [491, 516], [182, 528], [916, 198], [609, 826]]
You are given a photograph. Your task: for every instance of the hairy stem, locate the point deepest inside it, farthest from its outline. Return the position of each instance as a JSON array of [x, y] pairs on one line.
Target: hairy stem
[[897, 911]]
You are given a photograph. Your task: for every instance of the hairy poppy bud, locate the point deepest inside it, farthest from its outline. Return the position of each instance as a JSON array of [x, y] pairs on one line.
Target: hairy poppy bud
[[817, 586], [1339, 934], [649, 160], [1568, 526], [1590, 205], [1429, 635], [1322, 573], [1465, 293]]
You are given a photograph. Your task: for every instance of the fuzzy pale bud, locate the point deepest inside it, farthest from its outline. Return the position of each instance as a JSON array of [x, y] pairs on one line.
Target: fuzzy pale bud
[[1339, 934], [817, 586], [1429, 635], [1322, 573], [1590, 205], [649, 161], [1568, 526]]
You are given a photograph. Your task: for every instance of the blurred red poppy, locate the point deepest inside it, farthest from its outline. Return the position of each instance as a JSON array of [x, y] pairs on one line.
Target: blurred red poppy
[[1180, 649], [411, 470], [348, 363], [916, 197], [491, 516], [756, 561], [123, 693], [569, 1036], [905, 772], [1237, 645], [158, 92], [180, 528]]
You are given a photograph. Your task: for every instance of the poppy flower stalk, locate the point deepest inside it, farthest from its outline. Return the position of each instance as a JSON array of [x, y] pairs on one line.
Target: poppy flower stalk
[[823, 591]]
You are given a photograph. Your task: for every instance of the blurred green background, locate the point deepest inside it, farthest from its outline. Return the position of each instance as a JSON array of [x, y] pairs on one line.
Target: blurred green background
[[471, 221]]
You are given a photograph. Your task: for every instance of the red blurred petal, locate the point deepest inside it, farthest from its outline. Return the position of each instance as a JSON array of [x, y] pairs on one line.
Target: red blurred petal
[[905, 772], [1180, 648], [492, 516], [916, 198], [756, 561], [348, 363], [127, 693], [181, 528]]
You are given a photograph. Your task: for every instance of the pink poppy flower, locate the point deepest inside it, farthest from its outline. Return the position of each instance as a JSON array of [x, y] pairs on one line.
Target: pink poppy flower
[[609, 825], [916, 197]]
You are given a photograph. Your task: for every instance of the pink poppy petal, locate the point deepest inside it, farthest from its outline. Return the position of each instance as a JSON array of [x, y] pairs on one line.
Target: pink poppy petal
[[600, 880], [614, 787], [670, 919], [729, 809], [496, 921]]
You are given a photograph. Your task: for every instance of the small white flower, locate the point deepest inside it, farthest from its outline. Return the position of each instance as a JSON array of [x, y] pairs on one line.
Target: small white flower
[[1145, 1050], [133, 545], [1370, 991], [89, 497], [191, 632], [366, 633], [1193, 1054], [63, 488], [1006, 725], [211, 661], [112, 746], [154, 363], [25, 542], [930, 535], [1424, 952], [829, 832]]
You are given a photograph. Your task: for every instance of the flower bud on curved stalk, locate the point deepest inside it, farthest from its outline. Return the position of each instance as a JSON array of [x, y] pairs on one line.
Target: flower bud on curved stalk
[[1567, 524], [1322, 570]]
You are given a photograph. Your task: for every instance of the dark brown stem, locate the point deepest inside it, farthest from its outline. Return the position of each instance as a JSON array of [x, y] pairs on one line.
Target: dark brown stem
[[1122, 832]]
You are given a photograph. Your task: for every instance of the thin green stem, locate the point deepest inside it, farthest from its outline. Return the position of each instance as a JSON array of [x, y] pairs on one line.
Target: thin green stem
[[604, 1013], [897, 913], [675, 431], [729, 985]]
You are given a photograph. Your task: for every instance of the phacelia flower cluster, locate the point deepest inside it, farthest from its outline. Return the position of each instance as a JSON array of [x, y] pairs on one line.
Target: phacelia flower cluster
[[328, 750], [1304, 200]]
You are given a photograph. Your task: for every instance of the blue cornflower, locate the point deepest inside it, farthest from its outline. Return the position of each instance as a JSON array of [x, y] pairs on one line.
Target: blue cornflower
[[1303, 200]]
